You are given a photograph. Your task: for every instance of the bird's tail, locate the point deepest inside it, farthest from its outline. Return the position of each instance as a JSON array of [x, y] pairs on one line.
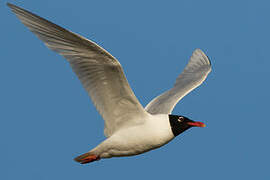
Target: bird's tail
[[86, 158]]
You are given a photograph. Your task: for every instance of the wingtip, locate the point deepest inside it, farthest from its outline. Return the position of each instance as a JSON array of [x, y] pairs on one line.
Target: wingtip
[[10, 5], [13, 7], [198, 50]]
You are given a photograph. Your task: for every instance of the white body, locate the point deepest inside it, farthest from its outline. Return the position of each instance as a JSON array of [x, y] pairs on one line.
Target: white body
[[155, 132]]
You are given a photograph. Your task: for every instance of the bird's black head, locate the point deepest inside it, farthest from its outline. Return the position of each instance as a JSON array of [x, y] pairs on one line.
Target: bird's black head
[[181, 123]]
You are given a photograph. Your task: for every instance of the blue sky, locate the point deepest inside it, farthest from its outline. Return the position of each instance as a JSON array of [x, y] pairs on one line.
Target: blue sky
[[47, 118]]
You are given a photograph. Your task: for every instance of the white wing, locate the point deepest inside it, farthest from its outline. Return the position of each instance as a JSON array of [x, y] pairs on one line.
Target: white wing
[[193, 75], [100, 73]]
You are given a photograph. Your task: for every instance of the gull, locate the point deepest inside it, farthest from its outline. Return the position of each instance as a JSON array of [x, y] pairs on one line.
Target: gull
[[130, 128]]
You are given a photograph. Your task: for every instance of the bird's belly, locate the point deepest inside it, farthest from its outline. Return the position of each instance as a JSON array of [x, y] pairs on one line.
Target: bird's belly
[[132, 142]]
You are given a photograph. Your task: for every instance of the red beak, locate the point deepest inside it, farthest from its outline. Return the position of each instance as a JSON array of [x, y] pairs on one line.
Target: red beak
[[197, 124]]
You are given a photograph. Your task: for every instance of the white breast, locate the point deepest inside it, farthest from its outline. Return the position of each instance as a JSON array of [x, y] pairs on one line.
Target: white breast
[[137, 139]]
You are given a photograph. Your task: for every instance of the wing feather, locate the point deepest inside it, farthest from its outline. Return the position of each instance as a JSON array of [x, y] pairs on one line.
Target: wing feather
[[193, 75], [99, 72]]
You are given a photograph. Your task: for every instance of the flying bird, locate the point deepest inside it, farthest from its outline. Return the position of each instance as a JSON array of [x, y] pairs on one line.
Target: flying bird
[[130, 128]]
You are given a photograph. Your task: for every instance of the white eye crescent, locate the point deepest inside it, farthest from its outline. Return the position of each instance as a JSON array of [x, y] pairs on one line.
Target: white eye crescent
[[180, 119]]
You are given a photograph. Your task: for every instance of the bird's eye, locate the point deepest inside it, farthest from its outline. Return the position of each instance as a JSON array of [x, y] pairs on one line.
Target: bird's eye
[[180, 119]]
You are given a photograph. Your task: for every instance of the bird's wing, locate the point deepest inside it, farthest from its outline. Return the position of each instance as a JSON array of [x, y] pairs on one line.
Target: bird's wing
[[100, 73], [193, 75]]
